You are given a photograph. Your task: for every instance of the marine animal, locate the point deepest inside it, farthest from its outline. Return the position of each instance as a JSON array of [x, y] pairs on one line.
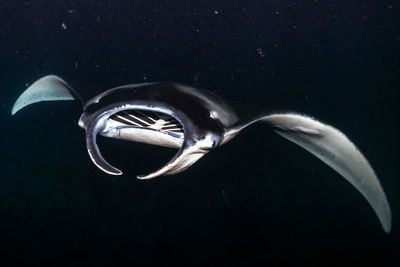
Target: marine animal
[[195, 121]]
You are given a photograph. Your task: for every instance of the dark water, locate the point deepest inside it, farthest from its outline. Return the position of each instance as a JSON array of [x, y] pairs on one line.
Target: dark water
[[258, 200]]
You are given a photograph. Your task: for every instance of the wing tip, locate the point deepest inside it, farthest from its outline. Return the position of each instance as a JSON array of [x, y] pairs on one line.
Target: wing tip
[[386, 220], [14, 109], [387, 227]]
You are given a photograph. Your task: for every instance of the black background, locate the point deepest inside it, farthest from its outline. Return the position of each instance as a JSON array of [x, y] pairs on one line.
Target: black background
[[258, 199]]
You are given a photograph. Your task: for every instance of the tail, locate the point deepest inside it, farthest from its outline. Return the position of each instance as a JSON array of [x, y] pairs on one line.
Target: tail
[[48, 88]]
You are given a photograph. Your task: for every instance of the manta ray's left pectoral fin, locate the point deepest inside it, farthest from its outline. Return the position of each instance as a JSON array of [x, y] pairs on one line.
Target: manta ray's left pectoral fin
[[333, 147], [48, 88]]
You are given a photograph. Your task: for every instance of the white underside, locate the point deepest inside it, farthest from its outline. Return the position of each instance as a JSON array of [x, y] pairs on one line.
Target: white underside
[[147, 136], [118, 130]]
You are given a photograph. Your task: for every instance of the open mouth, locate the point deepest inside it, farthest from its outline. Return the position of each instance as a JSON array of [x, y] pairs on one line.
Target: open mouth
[[149, 120]]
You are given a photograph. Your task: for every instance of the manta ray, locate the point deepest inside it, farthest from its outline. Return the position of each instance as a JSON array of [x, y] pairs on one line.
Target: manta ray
[[196, 121]]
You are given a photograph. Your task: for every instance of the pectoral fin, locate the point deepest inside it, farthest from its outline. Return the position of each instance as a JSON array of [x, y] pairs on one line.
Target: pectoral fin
[[334, 148], [48, 88]]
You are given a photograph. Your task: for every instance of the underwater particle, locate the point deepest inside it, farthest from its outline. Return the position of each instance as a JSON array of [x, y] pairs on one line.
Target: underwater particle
[[216, 12], [63, 26], [260, 52], [196, 77]]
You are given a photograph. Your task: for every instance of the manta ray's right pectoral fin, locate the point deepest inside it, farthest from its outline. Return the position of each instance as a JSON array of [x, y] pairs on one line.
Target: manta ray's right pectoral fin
[[334, 148]]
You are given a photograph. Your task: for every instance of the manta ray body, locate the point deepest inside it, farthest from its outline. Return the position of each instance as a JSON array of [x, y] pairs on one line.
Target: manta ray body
[[195, 121]]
